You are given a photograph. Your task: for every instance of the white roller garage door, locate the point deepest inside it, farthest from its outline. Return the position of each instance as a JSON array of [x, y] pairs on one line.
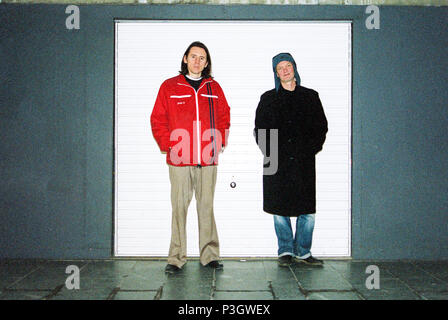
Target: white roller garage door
[[148, 52]]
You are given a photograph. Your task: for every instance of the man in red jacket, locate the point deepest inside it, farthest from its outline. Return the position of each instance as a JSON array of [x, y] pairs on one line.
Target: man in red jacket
[[190, 123]]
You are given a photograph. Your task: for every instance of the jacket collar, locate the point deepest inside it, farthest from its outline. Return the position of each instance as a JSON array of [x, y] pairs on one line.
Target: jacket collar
[[182, 81]]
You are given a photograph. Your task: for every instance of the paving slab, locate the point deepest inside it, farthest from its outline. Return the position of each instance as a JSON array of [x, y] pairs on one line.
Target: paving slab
[[193, 282], [139, 282], [390, 289], [46, 276], [144, 275], [357, 270], [400, 269], [108, 268], [426, 283], [239, 295], [287, 290], [183, 288], [24, 295], [83, 294], [249, 275], [434, 295], [135, 295], [438, 269], [17, 268], [280, 274], [315, 278], [333, 296]]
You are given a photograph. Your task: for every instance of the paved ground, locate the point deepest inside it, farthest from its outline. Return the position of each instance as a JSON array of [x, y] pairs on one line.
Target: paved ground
[[251, 279]]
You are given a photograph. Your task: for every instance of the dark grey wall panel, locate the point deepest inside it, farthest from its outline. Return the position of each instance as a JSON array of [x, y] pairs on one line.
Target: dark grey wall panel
[[57, 109]]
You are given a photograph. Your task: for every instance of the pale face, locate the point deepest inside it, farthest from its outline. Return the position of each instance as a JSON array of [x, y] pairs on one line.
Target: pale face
[[285, 71], [196, 61]]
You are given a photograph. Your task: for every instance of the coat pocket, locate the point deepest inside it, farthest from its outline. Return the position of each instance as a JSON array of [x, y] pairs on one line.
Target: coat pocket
[[181, 97], [209, 96], [180, 100]]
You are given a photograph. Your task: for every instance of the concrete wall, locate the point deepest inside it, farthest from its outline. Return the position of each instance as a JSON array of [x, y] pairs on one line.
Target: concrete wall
[[57, 110]]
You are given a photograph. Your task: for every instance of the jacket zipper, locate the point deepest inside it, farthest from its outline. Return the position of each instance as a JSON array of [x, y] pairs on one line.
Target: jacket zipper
[[197, 118]]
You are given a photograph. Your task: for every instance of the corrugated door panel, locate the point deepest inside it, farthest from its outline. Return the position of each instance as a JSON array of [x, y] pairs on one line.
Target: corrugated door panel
[[148, 52]]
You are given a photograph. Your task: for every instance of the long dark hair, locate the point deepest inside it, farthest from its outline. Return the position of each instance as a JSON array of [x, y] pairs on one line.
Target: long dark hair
[[207, 72]]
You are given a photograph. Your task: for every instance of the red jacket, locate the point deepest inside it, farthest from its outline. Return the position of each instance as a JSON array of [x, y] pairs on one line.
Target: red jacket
[[180, 113]]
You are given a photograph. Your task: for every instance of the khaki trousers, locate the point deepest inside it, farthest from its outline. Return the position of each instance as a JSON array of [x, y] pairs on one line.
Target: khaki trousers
[[183, 181]]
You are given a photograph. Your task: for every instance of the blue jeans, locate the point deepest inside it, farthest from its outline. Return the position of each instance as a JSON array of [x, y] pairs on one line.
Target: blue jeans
[[298, 245]]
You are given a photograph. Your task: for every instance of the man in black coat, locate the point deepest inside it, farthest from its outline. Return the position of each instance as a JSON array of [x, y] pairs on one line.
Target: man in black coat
[[290, 129]]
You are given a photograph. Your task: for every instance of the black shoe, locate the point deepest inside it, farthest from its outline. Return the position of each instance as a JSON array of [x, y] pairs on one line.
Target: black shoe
[[310, 261], [170, 268], [285, 261], [215, 265]]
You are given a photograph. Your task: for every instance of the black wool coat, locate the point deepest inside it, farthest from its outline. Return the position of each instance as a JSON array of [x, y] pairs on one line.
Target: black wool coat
[[302, 126]]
